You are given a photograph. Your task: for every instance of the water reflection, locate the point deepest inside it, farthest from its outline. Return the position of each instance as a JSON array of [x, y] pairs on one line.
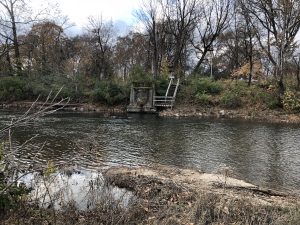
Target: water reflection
[[266, 154], [83, 189]]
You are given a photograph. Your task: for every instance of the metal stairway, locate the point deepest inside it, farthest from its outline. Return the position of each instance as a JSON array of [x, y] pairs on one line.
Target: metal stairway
[[168, 100]]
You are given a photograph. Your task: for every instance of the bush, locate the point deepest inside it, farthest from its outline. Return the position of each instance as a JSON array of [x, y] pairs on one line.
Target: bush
[[110, 93], [231, 100], [269, 99], [12, 89], [207, 85], [11, 199], [200, 91], [138, 75], [203, 99], [161, 86], [75, 87], [290, 101]]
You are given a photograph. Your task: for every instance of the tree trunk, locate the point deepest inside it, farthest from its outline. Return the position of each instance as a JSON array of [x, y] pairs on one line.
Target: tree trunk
[[8, 60], [298, 77], [281, 87], [16, 44], [200, 61], [155, 50], [250, 72]]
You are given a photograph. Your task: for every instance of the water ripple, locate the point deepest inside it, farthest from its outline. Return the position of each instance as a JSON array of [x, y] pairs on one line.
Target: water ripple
[[266, 154]]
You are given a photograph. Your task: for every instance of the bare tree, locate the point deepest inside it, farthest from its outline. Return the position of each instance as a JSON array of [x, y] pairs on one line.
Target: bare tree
[[296, 66], [45, 47], [5, 58], [213, 18], [13, 14], [248, 36], [181, 18], [16, 16], [149, 14], [130, 51], [276, 24], [101, 34]]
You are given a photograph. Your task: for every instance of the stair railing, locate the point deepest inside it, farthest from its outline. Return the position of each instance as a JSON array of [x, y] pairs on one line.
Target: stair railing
[[170, 83], [176, 89]]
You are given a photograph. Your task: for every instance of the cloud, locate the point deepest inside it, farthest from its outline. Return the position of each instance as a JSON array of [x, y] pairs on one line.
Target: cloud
[[79, 10]]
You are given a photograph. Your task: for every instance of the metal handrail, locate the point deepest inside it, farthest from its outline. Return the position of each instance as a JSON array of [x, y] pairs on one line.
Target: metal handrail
[[167, 101], [170, 83], [176, 89]]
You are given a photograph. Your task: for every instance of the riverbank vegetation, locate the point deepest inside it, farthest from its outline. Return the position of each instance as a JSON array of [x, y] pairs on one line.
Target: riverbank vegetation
[[223, 40]]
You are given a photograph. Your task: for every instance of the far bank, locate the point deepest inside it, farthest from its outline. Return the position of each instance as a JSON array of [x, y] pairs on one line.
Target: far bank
[[179, 111]]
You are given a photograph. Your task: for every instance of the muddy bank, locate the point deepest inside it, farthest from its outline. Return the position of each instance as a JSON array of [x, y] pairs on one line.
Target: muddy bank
[[179, 111], [136, 179], [182, 196], [272, 116], [71, 107], [171, 196]]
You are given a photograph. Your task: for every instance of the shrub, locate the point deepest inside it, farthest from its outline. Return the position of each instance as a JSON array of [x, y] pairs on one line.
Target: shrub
[[273, 104], [74, 87], [203, 99], [36, 89], [207, 85], [12, 89], [11, 199], [290, 101], [259, 96], [138, 75], [269, 99], [231, 100], [110, 93], [161, 86]]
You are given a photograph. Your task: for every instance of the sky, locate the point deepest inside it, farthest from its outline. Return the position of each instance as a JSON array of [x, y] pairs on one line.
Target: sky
[[119, 11]]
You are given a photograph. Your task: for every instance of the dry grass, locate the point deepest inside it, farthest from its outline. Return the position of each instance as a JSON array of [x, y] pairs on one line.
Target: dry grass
[[208, 208], [160, 199]]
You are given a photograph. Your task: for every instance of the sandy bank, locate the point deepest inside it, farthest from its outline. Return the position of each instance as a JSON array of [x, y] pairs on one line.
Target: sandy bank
[[182, 196]]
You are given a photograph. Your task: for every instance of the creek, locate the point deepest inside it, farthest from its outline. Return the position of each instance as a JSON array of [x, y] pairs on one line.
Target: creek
[[264, 154]]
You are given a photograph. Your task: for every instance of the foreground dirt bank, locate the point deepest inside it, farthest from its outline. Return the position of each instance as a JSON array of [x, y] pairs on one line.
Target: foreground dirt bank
[[193, 180], [167, 196], [183, 196]]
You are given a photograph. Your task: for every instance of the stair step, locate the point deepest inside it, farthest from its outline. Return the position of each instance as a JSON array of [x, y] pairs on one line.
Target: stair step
[[172, 90], [169, 99]]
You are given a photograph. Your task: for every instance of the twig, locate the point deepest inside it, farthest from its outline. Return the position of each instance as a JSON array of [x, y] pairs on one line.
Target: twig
[[11, 184], [26, 117]]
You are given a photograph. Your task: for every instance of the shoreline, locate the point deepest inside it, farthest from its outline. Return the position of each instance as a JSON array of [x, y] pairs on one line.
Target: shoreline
[[179, 111], [196, 179], [186, 190], [270, 116], [79, 107], [168, 195]]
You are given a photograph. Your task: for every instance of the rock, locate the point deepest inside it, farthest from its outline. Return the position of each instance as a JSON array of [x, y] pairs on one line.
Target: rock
[[222, 113]]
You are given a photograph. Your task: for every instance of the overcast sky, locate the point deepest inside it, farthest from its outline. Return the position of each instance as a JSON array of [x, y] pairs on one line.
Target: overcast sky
[[120, 11]]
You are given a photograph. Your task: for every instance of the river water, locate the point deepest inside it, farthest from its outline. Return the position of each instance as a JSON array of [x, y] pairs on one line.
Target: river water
[[262, 153]]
